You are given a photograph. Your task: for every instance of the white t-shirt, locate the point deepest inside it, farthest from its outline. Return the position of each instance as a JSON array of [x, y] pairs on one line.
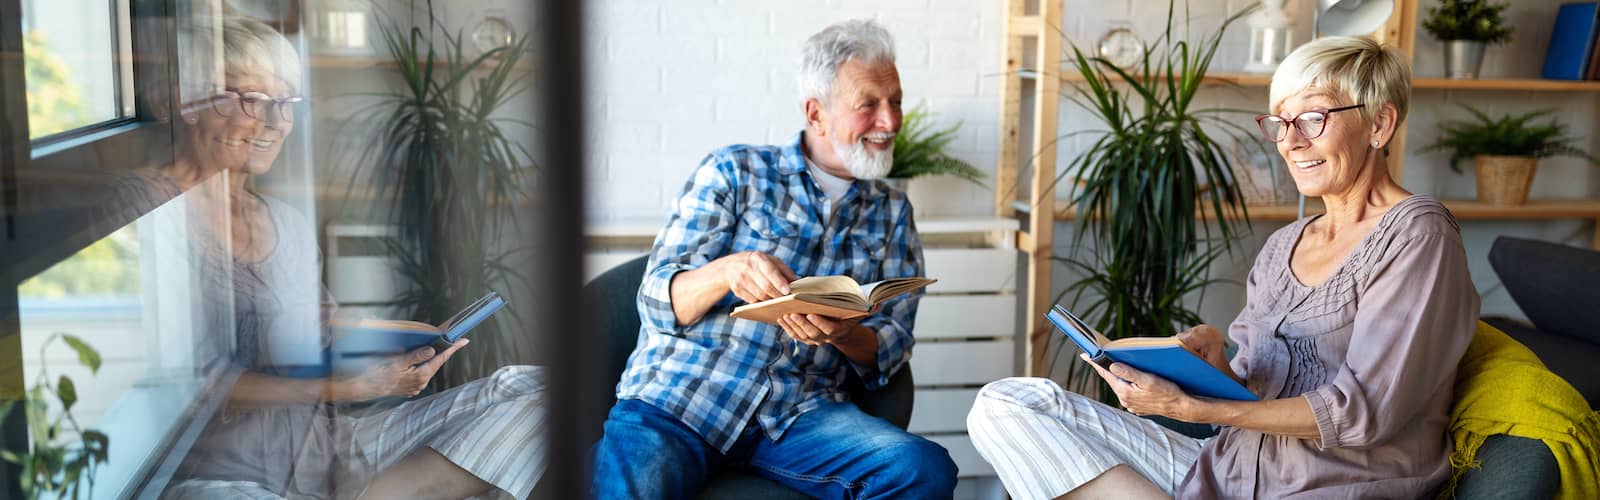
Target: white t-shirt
[[834, 187]]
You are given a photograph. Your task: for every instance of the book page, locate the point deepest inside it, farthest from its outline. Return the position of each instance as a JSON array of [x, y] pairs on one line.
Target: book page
[[828, 286], [880, 291], [388, 324]]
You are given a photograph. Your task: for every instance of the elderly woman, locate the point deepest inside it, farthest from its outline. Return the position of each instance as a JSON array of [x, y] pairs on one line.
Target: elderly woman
[[283, 431], [1352, 328]]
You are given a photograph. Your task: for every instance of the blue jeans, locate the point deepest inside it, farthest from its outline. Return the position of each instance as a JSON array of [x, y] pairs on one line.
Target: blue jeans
[[835, 451]]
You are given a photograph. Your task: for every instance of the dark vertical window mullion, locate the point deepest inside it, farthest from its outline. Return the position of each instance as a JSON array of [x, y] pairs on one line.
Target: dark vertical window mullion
[[574, 348], [13, 156]]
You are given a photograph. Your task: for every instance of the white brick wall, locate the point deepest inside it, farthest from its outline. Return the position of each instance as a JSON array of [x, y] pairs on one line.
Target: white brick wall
[[668, 85]]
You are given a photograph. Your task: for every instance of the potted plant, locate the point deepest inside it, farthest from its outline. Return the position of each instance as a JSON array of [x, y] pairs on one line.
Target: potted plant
[[920, 150], [1505, 151], [60, 454], [453, 178], [1465, 26], [1143, 187]]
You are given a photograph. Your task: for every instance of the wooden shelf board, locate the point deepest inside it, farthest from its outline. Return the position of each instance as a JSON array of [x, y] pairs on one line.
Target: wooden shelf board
[[362, 62], [1524, 84], [1463, 210], [1507, 84], [1533, 209]]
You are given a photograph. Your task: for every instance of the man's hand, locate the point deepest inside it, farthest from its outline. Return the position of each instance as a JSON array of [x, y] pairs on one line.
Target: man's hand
[[401, 375], [754, 276], [816, 329], [856, 342], [1142, 393], [1207, 342]]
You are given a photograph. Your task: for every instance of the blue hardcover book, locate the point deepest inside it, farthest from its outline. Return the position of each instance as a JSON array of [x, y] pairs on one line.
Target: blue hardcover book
[[1571, 40], [1165, 357], [382, 337]]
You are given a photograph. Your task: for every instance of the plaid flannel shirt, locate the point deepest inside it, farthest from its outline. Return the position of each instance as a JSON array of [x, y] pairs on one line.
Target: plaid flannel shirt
[[719, 372]]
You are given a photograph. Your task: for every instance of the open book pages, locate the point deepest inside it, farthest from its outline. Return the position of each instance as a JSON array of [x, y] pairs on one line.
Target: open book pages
[[386, 324], [837, 297]]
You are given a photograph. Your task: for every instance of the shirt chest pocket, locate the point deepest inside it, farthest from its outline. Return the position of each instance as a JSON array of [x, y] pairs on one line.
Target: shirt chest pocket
[[766, 232], [865, 256]]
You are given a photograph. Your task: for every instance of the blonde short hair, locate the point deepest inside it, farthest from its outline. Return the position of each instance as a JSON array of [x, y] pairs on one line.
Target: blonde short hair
[[1357, 69]]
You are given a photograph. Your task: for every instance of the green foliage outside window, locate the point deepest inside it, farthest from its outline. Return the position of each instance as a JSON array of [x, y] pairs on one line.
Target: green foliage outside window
[[108, 267], [54, 102]]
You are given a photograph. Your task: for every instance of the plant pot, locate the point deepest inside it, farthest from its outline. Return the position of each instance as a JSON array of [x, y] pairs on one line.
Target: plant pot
[[1504, 180], [1462, 59]]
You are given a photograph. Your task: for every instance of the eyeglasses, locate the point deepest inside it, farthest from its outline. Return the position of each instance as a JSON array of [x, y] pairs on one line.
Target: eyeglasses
[[1310, 124], [229, 102]]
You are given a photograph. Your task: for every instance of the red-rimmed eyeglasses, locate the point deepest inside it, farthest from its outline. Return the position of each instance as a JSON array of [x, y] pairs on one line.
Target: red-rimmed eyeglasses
[[229, 102], [1310, 124]]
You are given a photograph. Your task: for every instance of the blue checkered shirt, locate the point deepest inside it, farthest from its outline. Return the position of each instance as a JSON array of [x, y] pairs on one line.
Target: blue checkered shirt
[[720, 374]]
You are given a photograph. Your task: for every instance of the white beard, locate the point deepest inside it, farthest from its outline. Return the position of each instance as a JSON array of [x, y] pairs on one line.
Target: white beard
[[863, 163]]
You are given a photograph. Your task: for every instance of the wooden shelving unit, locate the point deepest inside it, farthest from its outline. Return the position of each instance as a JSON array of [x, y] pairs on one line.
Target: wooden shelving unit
[[1045, 76]]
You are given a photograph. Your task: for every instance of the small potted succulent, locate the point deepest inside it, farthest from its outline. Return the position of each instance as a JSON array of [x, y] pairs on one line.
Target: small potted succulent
[[1465, 27], [1505, 151]]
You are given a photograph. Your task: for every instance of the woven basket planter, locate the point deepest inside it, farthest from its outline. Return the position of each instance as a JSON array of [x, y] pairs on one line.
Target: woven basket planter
[[1504, 180]]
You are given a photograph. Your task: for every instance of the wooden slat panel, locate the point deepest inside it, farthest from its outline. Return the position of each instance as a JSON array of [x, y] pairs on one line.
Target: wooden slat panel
[[968, 462], [963, 316], [962, 270], [941, 410], [962, 363]]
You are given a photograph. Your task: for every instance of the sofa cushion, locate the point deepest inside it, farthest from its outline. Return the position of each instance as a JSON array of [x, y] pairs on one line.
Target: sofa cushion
[[1576, 361], [1553, 284]]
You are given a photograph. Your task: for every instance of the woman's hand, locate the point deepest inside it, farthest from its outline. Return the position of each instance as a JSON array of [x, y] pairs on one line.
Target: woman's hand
[[1208, 343], [401, 375], [1142, 393]]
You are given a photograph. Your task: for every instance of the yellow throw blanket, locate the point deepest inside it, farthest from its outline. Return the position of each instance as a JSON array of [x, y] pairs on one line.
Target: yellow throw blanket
[[1502, 388]]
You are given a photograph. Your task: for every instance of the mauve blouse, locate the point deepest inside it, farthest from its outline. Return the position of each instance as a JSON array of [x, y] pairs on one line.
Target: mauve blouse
[[1373, 350]]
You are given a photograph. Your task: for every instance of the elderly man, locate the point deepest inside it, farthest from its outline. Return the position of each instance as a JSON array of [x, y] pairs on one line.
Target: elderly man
[[704, 391]]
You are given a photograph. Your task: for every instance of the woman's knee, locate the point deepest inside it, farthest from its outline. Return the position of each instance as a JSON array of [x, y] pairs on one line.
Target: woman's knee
[[1029, 393]]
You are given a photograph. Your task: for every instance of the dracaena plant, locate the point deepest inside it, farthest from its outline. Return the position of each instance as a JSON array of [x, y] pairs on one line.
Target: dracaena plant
[[1142, 188], [1506, 135], [61, 454], [454, 179]]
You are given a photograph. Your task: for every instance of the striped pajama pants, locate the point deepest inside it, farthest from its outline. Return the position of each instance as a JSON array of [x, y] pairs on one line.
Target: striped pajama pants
[[493, 427], [1044, 441]]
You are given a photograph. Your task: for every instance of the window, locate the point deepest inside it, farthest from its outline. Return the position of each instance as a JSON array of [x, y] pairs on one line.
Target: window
[[76, 56], [146, 299]]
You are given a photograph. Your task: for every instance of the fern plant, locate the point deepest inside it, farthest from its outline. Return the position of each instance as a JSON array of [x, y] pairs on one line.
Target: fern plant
[[1143, 187], [61, 454], [1471, 20], [1507, 135], [455, 177], [919, 150]]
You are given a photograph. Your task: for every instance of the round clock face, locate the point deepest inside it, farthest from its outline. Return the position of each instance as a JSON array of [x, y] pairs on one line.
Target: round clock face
[[1122, 47], [492, 33]]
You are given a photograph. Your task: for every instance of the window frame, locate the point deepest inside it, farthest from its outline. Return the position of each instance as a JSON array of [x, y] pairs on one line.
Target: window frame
[[34, 241]]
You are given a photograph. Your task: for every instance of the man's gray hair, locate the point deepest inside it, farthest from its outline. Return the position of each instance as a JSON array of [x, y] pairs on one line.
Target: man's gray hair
[[857, 39]]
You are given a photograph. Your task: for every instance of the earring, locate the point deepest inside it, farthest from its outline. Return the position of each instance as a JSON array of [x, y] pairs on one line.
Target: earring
[[1374, 144]]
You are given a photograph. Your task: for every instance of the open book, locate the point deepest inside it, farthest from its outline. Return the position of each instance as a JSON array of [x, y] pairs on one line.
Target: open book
[[1165, 357], [370, 337], [837, 297]]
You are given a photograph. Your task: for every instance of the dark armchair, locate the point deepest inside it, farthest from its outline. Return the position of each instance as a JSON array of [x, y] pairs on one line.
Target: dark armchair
[[614, 293]]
